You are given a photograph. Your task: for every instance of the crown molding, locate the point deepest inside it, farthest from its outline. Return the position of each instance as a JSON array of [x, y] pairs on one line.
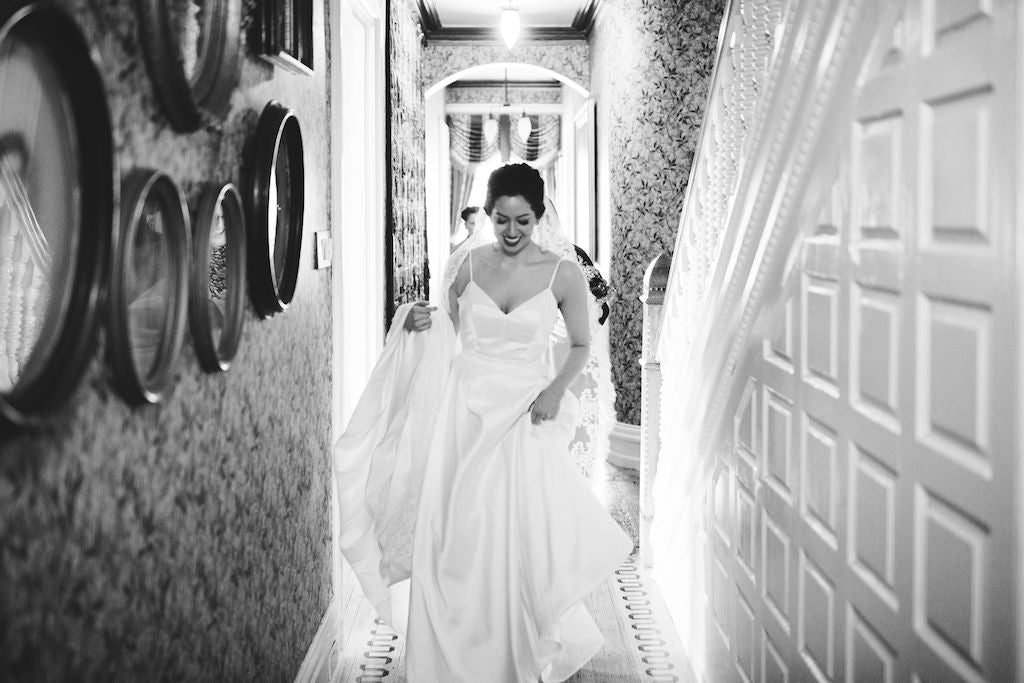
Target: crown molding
[[585, 17], [483, 34], [582, 25], [428, 16]]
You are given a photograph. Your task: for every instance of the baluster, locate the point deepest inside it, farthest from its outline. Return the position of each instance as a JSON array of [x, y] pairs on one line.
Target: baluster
[[653, 298]]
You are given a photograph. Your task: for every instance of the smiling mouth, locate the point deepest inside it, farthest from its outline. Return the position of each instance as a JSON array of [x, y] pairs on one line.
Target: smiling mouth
[[511, 241]]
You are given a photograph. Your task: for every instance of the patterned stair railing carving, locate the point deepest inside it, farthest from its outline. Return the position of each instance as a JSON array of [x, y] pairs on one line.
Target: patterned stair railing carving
[[785, 67]]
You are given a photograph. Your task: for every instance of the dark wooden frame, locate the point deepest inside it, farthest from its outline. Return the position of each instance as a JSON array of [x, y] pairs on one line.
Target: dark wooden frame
[[214, 357], [53, 375], [134, 386], [283, 34], [278, 127], [185, 100]]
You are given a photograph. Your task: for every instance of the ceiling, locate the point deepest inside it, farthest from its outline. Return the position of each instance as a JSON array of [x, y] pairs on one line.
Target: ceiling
[[478, 19]]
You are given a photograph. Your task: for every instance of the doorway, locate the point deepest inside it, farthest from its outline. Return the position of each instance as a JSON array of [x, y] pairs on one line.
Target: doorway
[[573, 175], [357, 208]]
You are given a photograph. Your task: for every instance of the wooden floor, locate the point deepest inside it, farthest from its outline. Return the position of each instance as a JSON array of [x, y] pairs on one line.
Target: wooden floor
[[641, 644]]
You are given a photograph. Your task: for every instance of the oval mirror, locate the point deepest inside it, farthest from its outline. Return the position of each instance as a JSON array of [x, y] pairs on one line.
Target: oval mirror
[[217, 287], [275, 189], [191, 49], [149, 288], [56, 206]]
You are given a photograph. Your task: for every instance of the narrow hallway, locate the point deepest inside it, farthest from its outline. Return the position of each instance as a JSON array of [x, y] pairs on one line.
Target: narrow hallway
[[641, 644]]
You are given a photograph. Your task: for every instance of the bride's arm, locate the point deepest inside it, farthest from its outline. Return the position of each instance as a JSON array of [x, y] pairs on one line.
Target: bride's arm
[[455, 291], [571, 291]]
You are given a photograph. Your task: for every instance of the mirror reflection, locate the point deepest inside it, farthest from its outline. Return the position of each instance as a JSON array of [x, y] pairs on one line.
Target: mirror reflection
[[190, 17], [38, 207], [279, 222], [219, 284], [147, 281]]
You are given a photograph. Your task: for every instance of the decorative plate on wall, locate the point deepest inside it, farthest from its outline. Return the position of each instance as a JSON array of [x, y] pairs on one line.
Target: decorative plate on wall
[[149, 287], [217, 287], [56, 207], [191, 48], [274, 196]]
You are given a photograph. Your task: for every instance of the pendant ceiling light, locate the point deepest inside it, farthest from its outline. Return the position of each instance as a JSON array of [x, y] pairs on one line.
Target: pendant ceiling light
[[491, 128], [523, 124], [509, 26], [524, 127]]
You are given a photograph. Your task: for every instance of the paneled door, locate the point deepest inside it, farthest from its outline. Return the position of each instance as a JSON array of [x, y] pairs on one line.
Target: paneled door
[[864, 522]]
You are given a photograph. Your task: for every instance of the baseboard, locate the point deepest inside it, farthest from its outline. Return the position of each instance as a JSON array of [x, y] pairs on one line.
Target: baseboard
[[316, 667], [624, 449]]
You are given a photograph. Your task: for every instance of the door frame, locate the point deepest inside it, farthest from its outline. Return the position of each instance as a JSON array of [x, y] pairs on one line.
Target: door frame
[[357, 299]]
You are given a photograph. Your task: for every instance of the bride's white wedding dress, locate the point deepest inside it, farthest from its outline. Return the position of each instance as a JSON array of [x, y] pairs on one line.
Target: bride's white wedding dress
[[508, 537]]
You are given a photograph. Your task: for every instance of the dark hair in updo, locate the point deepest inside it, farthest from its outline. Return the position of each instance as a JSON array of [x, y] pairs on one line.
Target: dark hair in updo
[[516, 180]]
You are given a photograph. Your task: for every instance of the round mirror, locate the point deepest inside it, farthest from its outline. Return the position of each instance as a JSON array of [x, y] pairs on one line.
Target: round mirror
[[56, 204], [149, 287], [217, 287], [191, 48], [275, 187]]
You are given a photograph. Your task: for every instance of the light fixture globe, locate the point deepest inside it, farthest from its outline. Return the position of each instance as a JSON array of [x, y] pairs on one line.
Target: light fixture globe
[[509, 26], [490, 129], [524, 126]]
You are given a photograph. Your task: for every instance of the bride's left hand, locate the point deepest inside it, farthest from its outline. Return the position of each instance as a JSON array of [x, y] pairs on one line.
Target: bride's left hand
[[545, 406]]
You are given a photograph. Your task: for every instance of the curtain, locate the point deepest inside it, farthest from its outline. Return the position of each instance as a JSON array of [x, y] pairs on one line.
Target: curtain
[[468, 142], [462, 187], [545, 137], [469, 146]]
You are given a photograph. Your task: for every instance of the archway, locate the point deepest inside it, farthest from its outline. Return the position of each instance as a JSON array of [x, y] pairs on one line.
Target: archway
[[575, 195]]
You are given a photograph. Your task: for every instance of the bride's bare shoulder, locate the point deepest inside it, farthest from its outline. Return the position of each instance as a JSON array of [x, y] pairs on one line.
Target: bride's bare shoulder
[[546, 258]]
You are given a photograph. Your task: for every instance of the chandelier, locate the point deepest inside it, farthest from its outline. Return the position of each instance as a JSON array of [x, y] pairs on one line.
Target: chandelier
[[523, 124]]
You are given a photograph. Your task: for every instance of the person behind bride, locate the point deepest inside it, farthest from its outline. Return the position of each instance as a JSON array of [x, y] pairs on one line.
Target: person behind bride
[[463, 516]]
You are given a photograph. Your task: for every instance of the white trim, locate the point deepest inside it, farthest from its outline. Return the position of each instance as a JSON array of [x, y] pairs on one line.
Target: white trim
[[318, 656], [469, 72], [1019, 328], [624, 448]]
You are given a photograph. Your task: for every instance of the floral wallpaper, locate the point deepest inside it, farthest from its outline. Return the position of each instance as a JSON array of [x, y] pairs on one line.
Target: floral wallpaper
[[188, 540], [442, 59], [650, 62], [407, 155]]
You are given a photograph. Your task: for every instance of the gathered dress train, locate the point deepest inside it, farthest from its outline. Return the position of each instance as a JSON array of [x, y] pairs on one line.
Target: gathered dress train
[[508, 537]]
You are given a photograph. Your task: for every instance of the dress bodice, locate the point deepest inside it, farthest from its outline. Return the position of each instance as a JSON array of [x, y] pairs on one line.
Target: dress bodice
[[520, 336]]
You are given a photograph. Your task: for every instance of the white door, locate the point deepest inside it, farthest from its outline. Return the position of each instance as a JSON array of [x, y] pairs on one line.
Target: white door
[[864, 518]]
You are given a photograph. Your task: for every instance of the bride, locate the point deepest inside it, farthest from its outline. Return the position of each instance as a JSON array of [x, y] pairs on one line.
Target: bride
[[463, 515]]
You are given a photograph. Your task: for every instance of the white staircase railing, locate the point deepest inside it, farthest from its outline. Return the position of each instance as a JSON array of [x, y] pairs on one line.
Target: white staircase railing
[[785, 67]]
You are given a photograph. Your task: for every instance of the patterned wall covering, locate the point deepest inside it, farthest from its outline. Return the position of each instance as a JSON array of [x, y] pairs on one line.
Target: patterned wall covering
[[188, 541], [651, 61], [444, 59], [408, 155], [516, 94]]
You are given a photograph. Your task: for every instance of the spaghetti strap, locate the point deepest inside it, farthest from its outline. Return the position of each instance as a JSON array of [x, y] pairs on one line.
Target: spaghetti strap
[[470, 265], [553, 273]]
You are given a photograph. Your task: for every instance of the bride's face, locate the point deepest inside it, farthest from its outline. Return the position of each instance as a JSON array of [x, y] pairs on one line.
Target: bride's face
[[513, 222]]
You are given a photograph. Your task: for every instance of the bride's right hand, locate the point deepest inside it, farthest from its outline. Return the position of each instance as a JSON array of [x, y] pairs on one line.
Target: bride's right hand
[[418, 319]]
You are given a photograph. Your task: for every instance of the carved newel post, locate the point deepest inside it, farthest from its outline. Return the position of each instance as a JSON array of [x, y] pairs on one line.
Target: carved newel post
[[653, 298]]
